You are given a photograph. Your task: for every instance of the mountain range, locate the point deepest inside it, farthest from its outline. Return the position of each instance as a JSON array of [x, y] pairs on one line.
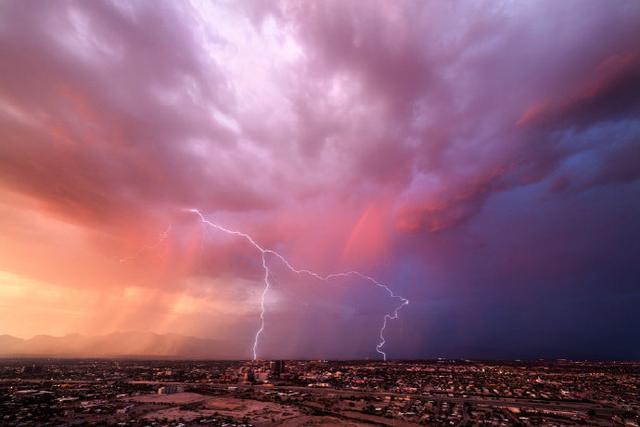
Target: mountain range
[[123, 344]]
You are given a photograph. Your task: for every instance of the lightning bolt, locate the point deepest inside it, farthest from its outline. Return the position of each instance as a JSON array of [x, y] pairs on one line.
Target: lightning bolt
[[267, 284]]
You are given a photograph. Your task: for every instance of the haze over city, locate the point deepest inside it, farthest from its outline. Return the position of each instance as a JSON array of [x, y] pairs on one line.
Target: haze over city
[[479, 160]]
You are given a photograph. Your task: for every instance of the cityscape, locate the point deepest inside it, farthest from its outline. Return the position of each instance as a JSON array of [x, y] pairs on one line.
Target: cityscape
[[66, 392]]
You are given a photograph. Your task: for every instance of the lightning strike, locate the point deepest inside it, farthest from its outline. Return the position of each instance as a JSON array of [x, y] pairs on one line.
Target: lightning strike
[[264, 251]]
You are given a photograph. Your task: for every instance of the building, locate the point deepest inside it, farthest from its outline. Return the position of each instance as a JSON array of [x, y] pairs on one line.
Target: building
[[276, 367], [169, 389], [248, 376]]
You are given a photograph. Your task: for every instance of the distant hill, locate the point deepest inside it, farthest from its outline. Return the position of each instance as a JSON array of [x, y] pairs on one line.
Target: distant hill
[[118, 344]]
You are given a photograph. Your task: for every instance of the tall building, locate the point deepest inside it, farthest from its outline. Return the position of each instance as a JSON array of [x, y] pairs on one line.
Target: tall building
[[249, 376], [276, 367]]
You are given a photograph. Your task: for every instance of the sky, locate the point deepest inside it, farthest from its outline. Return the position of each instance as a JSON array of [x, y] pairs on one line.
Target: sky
[[481, 158]]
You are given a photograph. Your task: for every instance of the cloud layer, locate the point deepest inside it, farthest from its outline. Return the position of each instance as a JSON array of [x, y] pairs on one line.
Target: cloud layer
[[480, 157]]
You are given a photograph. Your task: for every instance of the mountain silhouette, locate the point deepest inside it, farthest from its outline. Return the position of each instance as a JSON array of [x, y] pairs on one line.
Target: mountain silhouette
[[119, 344]]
